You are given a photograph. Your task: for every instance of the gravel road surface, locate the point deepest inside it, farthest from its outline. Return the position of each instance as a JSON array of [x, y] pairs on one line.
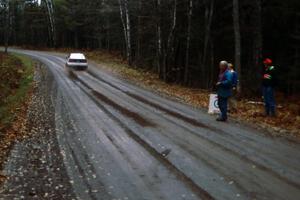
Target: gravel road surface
[[100, 137]]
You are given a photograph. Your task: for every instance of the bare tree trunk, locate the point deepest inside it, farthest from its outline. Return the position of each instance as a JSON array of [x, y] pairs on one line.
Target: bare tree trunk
[[123, 23], [188, 39], [53, 28], [127, 28], [296, 38], [50, 11], [7, 25], [159, 39], [139, 33], [237, 40], [212, 62], [12, 17], [169, 42], [76, 39], [209, 12], [258, 40], [108, 34]]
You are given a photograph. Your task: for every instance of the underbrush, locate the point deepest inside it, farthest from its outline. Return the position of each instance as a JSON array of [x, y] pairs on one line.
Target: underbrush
[[16, 82], [16, 74]]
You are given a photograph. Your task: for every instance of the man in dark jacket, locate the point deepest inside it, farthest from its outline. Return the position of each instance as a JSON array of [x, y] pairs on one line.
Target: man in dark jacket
[[224, 86], [268, 84]]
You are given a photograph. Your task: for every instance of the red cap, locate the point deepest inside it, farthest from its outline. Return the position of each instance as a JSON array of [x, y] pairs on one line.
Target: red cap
[[268, 61]]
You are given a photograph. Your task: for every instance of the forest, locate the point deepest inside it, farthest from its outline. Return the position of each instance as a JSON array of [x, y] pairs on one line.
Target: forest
[[181, 40]]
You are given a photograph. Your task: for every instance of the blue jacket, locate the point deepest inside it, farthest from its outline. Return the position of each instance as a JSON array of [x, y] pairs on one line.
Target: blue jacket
[[224, 89], [234, 79]]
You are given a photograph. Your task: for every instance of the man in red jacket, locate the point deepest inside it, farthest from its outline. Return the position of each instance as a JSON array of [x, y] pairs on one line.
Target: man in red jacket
[[268, 84]]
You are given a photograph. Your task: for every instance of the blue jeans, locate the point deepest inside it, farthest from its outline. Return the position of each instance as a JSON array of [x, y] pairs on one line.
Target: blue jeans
[[223, 105], [270, 104]]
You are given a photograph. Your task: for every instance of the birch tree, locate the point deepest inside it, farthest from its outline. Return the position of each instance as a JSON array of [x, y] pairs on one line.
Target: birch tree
[[169, 47], [237, 40], [50, 12], [182, 40], [159, 38], [258, 38], [124, 13], [188, 39], [208, 17], [6, 24]]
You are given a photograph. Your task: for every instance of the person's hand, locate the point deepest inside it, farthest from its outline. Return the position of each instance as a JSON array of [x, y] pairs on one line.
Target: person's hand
[[218, 83], [234, 88], [267, 76]]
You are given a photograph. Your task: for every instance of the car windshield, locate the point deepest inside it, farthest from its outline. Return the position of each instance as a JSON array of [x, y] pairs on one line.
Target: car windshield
[[78, 60]]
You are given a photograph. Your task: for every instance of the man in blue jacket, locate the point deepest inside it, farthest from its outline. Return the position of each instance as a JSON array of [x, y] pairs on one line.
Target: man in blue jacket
[[224, 90]]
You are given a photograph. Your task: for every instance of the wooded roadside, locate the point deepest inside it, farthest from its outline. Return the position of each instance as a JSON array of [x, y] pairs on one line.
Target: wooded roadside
[[16, 86], [181, 40], [250, 110]]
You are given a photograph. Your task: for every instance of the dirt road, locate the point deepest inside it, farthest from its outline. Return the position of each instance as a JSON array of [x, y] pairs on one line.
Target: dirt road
[[118, 141]]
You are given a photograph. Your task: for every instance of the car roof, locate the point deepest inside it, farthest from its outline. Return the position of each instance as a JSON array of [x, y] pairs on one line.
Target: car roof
[[76, 56]]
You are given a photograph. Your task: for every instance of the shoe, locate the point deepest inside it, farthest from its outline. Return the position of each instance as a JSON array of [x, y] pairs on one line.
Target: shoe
[[221, 119]]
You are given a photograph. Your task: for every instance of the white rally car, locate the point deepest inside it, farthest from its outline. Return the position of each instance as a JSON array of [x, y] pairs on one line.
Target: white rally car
[[76, 61]]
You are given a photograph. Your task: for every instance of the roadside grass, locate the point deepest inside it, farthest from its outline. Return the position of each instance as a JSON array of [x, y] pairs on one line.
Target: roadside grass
[[23, 83], [17, 73]]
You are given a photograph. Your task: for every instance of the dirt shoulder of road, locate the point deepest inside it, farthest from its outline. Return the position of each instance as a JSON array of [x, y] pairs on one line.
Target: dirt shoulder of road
[[16, 86], [34, 168]]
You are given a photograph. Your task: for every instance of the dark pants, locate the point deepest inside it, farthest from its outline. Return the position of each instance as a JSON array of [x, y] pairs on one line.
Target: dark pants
[[270, 105], [223, 104]]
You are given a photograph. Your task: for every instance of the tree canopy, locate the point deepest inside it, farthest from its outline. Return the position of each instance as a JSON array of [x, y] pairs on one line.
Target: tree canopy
[[182, 40]]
